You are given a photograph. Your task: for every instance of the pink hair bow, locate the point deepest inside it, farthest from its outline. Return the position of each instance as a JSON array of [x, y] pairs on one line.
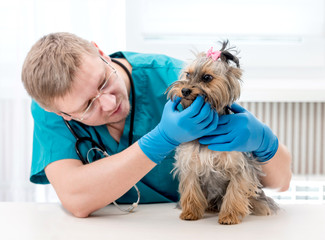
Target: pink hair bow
[[213, 54]]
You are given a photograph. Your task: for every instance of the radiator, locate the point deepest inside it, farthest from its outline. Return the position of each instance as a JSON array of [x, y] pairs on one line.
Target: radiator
[[299, 126]]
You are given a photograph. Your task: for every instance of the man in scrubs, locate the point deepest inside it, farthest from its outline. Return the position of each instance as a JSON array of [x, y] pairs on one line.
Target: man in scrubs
[[72, 79]]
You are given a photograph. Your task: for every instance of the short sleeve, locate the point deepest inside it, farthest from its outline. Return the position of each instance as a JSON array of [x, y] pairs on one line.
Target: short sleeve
[[52, 141]]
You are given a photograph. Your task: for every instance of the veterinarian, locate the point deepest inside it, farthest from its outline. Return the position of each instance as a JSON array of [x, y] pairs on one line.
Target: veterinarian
[[88, 106]]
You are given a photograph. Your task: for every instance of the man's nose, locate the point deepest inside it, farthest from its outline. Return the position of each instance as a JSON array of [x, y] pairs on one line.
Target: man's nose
[[107, 102]]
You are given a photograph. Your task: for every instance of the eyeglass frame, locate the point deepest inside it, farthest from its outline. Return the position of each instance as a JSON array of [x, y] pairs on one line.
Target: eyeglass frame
[[100, 93]]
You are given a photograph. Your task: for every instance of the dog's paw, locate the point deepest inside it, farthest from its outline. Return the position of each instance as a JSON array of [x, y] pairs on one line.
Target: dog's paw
[[190, 216], [261, 209], [229, 219]]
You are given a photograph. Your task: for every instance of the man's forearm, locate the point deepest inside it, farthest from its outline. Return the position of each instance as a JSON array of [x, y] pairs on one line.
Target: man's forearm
[[278, 170], [84, 189]]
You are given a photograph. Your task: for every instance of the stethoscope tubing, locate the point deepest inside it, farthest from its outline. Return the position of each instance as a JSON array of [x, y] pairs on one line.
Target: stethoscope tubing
[[100, 145]]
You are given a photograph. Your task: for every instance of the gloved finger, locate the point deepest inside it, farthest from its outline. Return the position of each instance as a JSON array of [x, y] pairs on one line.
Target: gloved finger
[[203, 114], [236, 108], [168, 106], [207, 120], [222, 129], [224, 119], [213, 124], [217, 139], [175, 102], [194, 108], [223, 147]]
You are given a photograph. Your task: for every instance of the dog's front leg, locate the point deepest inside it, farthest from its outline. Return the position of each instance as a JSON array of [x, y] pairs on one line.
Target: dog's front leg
[[193, 201], [235, 204]]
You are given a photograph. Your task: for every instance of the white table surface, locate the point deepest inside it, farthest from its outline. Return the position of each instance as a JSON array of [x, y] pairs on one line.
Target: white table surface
[[44, 221]]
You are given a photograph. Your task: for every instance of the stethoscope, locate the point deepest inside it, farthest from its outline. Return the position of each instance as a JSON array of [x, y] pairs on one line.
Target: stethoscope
[[99, 146]]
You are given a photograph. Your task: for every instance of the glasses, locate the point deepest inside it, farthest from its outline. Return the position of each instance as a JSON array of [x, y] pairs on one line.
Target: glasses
[[91, 106]]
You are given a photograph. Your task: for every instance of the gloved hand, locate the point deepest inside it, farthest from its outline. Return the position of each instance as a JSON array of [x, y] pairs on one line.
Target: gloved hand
[[177, 127], [242, 132]]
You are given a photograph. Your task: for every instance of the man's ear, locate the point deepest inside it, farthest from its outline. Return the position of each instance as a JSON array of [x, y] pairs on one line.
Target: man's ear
[[101, 53], [61, 114], [65, 116]]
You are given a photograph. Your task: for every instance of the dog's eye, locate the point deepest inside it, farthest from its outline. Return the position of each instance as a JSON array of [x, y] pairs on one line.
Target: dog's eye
[[187, 75], [207, 78]]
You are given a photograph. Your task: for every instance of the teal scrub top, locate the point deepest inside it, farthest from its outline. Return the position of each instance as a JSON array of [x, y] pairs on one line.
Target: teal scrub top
[[152, 74]]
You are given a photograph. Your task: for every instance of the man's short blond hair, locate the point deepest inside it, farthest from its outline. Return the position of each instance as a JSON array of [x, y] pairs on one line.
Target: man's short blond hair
[[51, 65]]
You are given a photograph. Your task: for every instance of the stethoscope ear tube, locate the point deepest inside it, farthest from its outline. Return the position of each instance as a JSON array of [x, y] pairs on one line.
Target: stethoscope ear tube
[[79, 153]]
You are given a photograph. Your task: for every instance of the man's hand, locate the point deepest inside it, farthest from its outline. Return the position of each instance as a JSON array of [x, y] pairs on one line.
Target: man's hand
[[178, 127], [242, 132]]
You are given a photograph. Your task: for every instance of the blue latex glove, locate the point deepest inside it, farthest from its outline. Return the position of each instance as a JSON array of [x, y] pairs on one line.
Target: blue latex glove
[[177, 127], [242, 132]]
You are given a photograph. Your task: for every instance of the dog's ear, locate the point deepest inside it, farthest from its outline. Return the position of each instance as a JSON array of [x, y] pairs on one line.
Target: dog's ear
[[234, 77], [226, 55], [236, 72]]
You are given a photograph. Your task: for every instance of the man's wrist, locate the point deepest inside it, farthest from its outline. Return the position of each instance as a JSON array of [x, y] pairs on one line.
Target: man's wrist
[[155, 145], [268, 147]]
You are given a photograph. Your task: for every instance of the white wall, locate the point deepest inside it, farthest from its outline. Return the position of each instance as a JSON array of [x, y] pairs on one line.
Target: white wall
[[281, 42]]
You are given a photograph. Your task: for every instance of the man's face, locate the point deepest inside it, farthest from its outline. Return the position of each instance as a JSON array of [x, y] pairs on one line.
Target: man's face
[[111, 106]]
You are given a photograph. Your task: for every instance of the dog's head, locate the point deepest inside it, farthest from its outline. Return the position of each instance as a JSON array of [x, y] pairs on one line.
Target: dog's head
[[215, 75]]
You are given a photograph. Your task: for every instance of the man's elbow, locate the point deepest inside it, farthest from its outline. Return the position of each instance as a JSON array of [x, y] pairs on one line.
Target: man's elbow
[[278, 184], [286, 182], [76, 211], [80, 214], [76, 207], [284, 188], [284, 185]]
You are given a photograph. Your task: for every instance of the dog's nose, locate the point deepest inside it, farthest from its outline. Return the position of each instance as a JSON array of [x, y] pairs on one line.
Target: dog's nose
[[186, 91]]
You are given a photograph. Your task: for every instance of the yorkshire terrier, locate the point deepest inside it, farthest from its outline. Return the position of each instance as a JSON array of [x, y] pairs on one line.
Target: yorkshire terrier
[[210, 181]]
